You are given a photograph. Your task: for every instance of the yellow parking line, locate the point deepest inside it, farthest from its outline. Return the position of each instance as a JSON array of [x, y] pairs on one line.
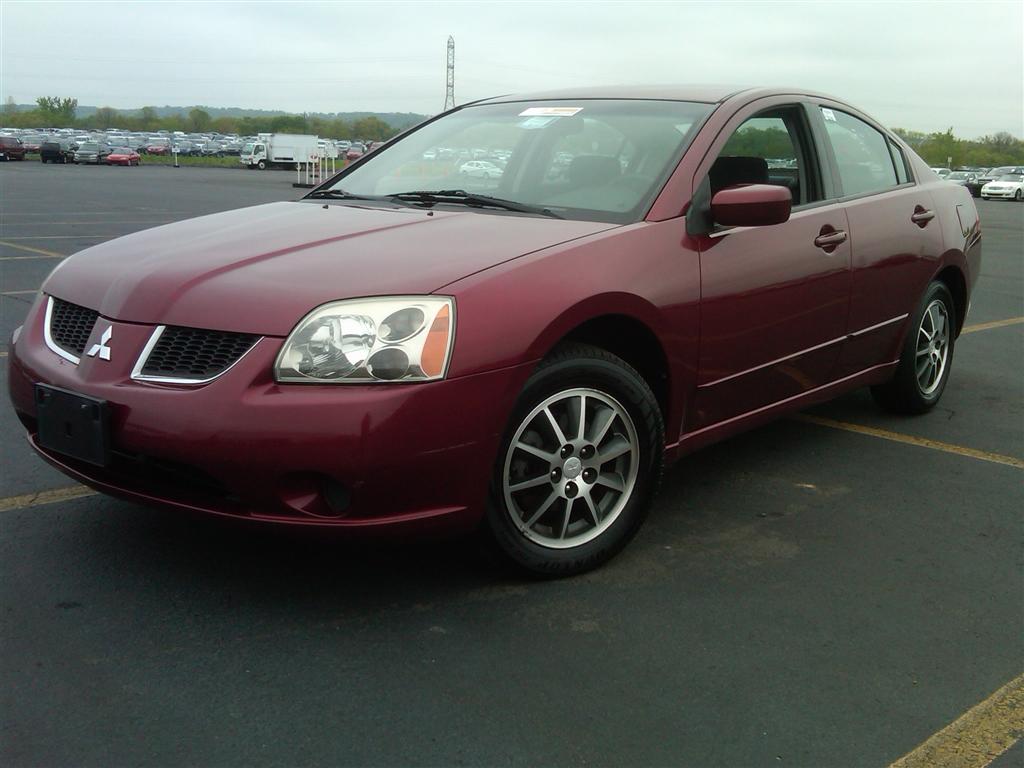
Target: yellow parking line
[[59, 237], [977, 737], [30, 249], [993, 324], [44, 497], [921, 442]]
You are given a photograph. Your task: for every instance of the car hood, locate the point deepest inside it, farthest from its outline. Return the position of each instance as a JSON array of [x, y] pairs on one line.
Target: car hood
[[261, 269]]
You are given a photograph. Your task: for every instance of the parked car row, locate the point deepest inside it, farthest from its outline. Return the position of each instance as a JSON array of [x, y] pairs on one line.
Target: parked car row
[[1004, 181], [16, 143]]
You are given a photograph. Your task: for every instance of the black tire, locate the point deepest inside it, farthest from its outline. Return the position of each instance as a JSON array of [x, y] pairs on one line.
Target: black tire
[[581, 366], [262, 165], [904, 392], [1017, 196]]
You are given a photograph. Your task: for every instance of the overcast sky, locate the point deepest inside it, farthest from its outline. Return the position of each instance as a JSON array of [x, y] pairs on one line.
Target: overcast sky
[[919, 65]]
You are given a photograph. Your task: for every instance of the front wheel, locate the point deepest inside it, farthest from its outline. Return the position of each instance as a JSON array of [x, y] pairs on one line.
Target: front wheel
[[579, 464], [927, 356], [262, 165], [1017, 195]]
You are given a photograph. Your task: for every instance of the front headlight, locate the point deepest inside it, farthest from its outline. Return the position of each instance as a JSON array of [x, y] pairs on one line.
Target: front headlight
[[362, 341]]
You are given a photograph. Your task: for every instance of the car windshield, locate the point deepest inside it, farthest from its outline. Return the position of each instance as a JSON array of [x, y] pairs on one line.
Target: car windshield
[[247, 149], [593, 159], [959, 175], [89, 146], [120, 151], [1011, 177]]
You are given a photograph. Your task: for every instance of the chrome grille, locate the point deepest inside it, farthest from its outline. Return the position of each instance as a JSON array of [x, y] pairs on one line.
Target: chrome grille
[[69, 325], [192, 355]]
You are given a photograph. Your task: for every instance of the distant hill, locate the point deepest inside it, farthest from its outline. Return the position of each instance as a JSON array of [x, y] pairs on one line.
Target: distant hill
[[398, 120]]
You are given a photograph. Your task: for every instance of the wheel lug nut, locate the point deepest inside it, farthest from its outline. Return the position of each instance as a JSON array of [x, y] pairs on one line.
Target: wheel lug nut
[[589, 475], [556, 475], [566, 451], [571, 490], [587, 452]]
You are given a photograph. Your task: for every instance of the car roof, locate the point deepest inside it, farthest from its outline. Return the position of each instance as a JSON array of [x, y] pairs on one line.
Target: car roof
[[708, 94]]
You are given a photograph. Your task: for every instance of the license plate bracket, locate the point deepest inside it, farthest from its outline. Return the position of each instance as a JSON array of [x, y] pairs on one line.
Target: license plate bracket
[[72, 424]]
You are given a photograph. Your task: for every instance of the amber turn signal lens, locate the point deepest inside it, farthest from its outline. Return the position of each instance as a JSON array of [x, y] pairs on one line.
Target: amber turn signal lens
[[434, 348]]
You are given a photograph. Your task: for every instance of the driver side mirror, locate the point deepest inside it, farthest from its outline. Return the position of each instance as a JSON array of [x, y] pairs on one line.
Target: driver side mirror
[[751, 205]]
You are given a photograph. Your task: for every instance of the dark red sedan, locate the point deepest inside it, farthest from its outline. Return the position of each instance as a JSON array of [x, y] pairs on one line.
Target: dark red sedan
[[123, 156], [656, 269]]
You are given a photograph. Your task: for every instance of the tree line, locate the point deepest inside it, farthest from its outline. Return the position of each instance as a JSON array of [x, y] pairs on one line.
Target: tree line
[[56, 112], [937, 148]]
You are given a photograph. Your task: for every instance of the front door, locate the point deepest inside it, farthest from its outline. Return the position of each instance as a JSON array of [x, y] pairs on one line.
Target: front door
[[774, 299]]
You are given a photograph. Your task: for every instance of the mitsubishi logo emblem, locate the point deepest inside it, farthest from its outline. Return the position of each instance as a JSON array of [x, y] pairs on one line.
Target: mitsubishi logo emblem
[[102, 349]]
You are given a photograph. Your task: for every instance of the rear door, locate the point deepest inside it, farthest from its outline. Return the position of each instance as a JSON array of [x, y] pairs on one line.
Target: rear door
[[896, 235], [774, 299]]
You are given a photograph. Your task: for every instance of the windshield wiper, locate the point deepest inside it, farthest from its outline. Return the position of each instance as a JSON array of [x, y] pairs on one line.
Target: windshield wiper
[[340, 194], [462, 197]]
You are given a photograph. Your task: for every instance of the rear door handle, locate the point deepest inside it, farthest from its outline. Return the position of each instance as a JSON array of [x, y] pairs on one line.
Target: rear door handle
[[921, 217], [830, 240]]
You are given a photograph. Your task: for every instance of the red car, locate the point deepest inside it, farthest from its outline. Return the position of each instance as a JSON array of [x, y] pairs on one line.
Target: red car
[[11, 148], [657, 269], [123, 156]]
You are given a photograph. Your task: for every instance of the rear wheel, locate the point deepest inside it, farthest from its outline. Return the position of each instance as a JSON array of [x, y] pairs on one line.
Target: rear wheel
[[927, 356], [579, 464]]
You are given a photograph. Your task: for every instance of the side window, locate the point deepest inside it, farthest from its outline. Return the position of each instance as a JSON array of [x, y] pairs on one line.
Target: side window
[[767, 149], [862, 153], [900, 161]]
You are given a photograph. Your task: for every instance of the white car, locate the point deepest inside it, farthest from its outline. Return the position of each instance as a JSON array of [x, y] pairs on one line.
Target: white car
[[942, 172], [480, 169], [1009, 186]]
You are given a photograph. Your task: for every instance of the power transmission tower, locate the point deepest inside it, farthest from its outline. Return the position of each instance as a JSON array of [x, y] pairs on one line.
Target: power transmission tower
[[449, 94]]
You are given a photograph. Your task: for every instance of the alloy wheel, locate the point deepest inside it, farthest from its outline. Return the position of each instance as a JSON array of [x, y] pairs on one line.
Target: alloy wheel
[[932, 347], [571, 468]]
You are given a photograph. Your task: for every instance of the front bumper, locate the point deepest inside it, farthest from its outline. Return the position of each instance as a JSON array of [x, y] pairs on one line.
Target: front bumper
[[245, 446], [999, 194]]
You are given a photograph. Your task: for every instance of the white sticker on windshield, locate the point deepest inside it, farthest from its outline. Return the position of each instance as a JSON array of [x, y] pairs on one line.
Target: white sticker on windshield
[[828, 114], [550, 111]]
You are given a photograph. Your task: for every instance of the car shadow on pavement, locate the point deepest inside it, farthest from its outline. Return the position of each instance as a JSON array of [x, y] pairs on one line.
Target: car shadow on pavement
[[325, 569]]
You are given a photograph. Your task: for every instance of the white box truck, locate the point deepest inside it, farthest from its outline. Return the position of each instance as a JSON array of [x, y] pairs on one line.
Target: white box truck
[[278, 150]]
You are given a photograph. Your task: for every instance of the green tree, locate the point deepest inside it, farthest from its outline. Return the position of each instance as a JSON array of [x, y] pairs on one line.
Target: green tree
[[938, 148], [287, 124], [55, 112], [372, 129], [147, 119], [105, 117], [199, 120], [225, 125]]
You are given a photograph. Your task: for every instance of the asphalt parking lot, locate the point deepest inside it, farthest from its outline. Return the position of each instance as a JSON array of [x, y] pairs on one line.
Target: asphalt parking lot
[[831, 589]]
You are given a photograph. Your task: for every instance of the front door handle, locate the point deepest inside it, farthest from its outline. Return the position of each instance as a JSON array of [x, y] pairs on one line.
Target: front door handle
[[921, 216], [828, 241]]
